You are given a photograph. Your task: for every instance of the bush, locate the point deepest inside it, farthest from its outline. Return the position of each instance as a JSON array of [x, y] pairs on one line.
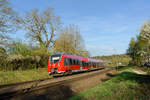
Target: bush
[[22, 57], [19, 62], [44, 54], [3, 57], [14, 62]]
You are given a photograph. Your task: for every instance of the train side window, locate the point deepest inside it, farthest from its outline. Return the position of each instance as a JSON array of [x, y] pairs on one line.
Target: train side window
[[90, 63], [71, 61], [66, 61], [74, 61], [100, 64], [95, 64], [87, 64], [77, 62], [83, 64]]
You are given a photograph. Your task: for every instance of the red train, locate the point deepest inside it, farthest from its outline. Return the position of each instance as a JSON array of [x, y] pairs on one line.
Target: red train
[[62, 63]]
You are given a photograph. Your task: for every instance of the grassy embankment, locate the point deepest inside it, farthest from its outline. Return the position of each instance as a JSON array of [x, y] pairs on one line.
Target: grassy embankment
[[127, 85], [11, 77]]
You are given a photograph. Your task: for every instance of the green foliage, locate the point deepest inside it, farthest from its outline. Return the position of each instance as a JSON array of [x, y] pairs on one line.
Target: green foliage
[[123, 59], [8, 19], [70, 40], [19, 48], [3, 57], [41, 56], [139, 49], [22, 56]]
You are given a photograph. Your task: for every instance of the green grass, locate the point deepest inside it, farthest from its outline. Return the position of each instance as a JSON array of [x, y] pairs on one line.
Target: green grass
[[12, 77], [125, 86]]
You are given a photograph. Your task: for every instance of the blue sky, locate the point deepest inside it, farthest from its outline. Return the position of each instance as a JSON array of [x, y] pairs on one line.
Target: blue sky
[[106, 25]]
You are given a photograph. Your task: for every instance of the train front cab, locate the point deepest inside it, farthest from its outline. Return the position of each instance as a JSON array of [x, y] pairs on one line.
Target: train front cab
[[55, 64], [62, 64]]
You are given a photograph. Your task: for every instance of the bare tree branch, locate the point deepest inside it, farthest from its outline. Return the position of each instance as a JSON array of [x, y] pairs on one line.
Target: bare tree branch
[[41, 27]]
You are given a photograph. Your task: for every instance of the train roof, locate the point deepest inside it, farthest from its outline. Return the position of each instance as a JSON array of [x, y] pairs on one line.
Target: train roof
[[69, 55], [73, 56], [82, 58]]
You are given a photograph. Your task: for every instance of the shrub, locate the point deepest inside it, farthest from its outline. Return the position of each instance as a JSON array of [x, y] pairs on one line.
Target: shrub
[[41, 56], [3, 57], [14, 62], [23, 57]]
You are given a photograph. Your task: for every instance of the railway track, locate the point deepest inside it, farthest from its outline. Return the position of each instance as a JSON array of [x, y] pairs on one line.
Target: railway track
[[25, 89]]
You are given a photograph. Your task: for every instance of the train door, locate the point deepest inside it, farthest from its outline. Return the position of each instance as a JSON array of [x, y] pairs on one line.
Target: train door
[[81, 65]]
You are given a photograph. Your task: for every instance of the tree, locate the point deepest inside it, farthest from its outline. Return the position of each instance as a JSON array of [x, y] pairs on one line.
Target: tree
[[8, 20], [65, 41], [144, 42], [42, 26], [130, 50], [85, 53], [17, 47], [145, 31], [139, 50], [70, 41]]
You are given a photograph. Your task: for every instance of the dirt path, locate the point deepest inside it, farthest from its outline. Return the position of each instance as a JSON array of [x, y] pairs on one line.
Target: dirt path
[[139, 72]]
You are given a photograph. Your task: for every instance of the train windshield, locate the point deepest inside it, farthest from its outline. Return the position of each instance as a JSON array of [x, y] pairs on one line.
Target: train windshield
[[55, 58]]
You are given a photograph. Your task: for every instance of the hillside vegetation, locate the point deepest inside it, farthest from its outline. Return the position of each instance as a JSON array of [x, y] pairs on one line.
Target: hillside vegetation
[[113, 60]]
